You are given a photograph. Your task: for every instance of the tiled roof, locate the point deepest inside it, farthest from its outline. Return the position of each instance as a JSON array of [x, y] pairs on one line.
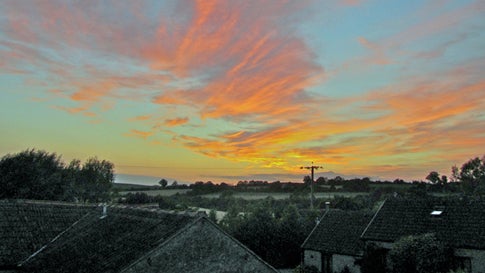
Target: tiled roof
[[339, 232], [25, 226], [201, 247], [107, 244], [461, 223]]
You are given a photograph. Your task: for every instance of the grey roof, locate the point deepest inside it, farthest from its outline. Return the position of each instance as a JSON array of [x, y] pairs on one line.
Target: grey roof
[[107, 244], [338, 232], [461, 223], [26, 226], [71, 238]]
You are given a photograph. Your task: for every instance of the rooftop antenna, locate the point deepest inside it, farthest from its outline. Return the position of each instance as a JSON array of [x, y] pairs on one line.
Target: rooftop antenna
[[312, 168]]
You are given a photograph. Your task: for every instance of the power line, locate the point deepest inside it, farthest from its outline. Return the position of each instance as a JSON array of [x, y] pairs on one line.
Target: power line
[[189, 168]]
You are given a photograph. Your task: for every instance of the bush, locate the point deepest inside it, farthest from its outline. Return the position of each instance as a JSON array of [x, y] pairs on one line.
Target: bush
[[423, 254]]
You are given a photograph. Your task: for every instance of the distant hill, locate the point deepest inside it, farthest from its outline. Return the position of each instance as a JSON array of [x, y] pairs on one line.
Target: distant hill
[[143, 180], [133, 187], [137, 179]]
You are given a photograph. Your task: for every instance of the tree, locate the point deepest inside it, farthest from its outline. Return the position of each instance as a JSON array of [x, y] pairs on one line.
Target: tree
[[422, 253], [472, 176], [307, 180], [320, 181], [95, 180], [163, 183], [433, 177], [31, 174]]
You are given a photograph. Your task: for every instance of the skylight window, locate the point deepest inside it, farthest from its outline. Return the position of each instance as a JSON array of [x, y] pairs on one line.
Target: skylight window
[[436, 212]]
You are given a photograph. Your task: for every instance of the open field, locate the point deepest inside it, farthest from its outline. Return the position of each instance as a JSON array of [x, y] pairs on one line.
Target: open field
[[131, 187], [166, 192], [246, 195], [283, 195], [396, 187]]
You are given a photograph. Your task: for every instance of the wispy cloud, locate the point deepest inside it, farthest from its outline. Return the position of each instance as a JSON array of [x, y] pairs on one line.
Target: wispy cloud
[[244, 68], [140, 134], [176, 121]]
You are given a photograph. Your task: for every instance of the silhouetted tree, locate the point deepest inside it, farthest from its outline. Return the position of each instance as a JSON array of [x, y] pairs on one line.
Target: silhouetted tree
[[163, 183], [95, 180], [31, 174], [307, 180], [433, 177], [36, 174], [472, 176]]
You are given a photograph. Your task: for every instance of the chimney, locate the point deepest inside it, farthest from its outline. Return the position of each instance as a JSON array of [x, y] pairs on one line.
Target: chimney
[[105, 211], [327, 206]]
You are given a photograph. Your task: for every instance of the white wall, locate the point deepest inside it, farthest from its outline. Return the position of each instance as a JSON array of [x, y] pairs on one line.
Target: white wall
[[340, 261], [477, 258], [313, 258]]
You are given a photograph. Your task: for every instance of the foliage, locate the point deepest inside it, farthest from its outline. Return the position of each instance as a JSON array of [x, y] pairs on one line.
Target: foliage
[[423, 253], [433, 177], [37, 174], [31, 174], [95, 179], [272, 231], [163, 182], [472, 176]]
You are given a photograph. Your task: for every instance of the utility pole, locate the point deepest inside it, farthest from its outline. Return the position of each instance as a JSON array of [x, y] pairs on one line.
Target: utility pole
[[312, 168]]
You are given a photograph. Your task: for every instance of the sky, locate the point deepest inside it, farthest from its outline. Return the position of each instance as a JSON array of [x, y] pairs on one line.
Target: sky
[[225, 91]]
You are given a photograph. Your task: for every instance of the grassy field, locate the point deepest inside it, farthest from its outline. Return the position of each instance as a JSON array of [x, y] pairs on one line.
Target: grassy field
[[131, 187], [246, 195], [283, 195], [166, 192], [396, 187]]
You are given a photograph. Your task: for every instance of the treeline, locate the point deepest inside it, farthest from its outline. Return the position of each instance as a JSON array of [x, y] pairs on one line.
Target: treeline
[[37, 174], [468, 179]]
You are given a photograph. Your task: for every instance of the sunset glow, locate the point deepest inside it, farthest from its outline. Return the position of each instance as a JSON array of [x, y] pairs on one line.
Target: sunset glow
[[241, 90]]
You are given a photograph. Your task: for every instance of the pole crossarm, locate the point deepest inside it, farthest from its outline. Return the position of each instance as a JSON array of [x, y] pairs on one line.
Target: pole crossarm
[[312, 168]]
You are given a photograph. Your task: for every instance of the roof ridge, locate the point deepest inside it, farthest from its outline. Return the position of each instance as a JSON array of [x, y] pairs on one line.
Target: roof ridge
[[53, 240], [314, 228], [159, 243], [235, 240], [372, 220]]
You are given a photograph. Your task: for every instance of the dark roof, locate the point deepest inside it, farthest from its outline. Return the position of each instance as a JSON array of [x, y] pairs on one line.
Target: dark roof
[[201, 247], [25, 226], [107, 244], [461, 223], [339, 232]]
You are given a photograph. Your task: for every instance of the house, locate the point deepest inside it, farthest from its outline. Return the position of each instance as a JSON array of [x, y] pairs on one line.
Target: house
[[335, 241], [122, 239], [339, 238], [459, 223], [26, 226]]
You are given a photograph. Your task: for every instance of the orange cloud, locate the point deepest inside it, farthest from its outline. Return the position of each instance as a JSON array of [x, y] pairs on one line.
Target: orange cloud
[[141, 134], [176, 121], [141, 118]]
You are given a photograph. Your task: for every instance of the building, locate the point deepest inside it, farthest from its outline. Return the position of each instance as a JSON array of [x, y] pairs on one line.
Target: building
[[119, 239], [459, 223], [335, 241], [27, 226], [339, 238]]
